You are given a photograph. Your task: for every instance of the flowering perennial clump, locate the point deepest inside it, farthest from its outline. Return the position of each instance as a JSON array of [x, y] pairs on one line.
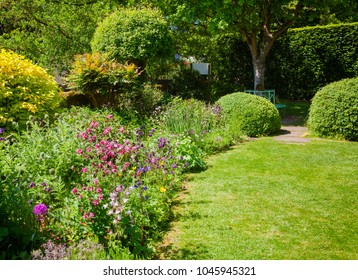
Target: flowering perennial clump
[[122, 183]]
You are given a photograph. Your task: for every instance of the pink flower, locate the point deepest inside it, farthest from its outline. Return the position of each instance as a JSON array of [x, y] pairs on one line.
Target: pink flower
[[84, 135], [121, 129], [107, 130], [98, 190], [94, 124], [91, 215], [84, 170], [84, 188], [100, 197], [74, 191], [95, 202], [110, 116], [95, 180], [79, 151]]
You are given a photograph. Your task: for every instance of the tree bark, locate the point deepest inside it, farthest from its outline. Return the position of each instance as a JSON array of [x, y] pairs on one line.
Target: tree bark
[[259, 67]]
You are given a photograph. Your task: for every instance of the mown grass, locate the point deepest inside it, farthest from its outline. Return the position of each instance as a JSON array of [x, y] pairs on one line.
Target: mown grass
[[269, 200]]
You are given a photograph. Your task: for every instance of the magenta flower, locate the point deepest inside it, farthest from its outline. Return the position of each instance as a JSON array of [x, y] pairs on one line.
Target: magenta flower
[[84, 170], [110, 116], [94, 124], [74, 190], [95, 202], [79, 151], [107, 130], [40, 209]]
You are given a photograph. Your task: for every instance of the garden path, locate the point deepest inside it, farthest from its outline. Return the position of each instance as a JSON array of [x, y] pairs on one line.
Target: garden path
[[291, 133]]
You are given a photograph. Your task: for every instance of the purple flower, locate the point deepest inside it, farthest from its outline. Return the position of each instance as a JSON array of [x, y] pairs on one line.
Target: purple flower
[[43, 184], [2, 130], [161, 142], [40, 209], [32, 184]]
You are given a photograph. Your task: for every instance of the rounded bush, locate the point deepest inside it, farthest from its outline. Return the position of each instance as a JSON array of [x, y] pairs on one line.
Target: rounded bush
[[134, 35], [250, 115], [26, 89], [334, 111]]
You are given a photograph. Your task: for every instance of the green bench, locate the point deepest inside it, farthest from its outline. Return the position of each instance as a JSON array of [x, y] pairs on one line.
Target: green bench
[[270, 95]]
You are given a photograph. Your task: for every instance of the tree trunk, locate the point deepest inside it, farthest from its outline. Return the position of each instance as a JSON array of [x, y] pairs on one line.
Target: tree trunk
[[259, 67]]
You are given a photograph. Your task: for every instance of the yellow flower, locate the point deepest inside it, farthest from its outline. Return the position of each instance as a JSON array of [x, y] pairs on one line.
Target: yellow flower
[[162, 189]]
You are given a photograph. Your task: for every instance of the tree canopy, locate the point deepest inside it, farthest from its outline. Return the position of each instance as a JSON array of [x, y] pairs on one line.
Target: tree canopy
[[50, 32], [259, 22]]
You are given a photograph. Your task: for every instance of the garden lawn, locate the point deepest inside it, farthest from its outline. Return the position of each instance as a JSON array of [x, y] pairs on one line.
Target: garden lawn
[[269, 200]]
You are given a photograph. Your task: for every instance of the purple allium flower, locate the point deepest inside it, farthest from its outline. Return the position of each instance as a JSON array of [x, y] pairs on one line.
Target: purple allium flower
[[40, 209], [2, 130]]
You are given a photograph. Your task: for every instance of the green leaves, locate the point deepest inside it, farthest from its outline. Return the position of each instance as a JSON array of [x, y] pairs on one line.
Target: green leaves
[[134, 35], [334, 111]]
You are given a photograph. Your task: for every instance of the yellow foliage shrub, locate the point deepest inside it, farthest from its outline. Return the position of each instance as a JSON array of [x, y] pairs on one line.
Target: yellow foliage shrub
[[25, 89]]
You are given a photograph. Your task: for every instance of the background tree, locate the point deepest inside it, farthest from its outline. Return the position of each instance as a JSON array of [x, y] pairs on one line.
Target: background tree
[[259, 22], [50, 32]]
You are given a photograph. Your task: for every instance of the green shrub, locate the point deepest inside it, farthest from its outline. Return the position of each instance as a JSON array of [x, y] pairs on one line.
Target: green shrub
[[134, 35], [249, 115], [188, 116], [334, 111], [202, 123], [26, 89]]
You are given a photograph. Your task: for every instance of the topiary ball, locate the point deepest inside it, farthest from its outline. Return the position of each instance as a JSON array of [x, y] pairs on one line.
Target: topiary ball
[[25, 89], [334, 111], [135, 35], [250, 115]]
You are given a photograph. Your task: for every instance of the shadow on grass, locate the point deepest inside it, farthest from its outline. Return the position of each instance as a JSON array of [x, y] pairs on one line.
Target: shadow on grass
[[197, 252]]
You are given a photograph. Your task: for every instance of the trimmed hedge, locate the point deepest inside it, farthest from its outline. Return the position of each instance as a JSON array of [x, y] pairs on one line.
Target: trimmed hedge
[[250, 115], [334, 111], [305, 59], [300, 62]]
